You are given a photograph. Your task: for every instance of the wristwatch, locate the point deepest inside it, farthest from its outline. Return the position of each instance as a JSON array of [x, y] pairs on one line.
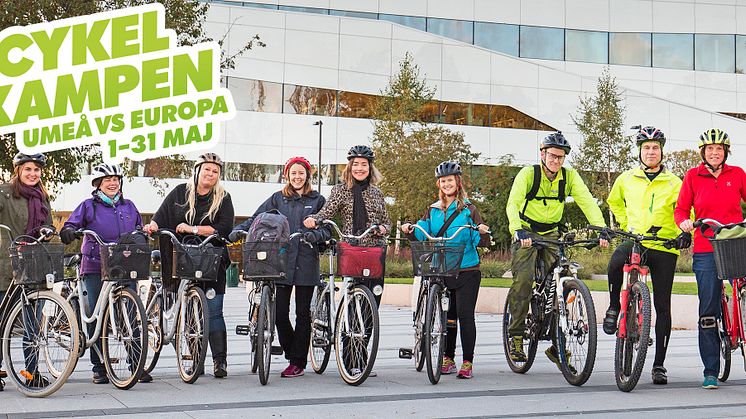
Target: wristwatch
[[194, 230]]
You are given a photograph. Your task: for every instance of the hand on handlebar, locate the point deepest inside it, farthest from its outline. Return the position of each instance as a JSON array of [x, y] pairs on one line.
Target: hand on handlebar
[[687, 226], [150, 228], [483, 228], [310, 223], [407, 228], [683, 241], [523, 236]]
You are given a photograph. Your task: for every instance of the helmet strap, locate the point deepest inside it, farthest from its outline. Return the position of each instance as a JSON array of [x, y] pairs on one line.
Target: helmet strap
[[544, 165], [645, 166]]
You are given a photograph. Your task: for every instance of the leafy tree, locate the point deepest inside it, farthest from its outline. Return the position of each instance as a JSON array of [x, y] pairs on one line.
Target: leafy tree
[[407, 149], [680, 161], [491, 189]]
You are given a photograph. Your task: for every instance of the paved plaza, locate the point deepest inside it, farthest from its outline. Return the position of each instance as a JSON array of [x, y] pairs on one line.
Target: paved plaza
[[398, 391]]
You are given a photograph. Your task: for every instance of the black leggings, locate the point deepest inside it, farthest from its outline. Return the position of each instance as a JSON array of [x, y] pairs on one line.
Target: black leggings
[[294, 342], [662, 267], [463, 301]]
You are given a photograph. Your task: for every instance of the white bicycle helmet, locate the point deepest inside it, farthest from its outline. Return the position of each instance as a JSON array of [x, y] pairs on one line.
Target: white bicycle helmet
[[105, 170]]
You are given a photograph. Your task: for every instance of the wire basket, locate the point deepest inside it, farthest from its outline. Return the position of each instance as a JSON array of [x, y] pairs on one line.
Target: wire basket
[[264, 260], [195, 262], [125, 262], [37, 264], [730, 257], [436, 259]]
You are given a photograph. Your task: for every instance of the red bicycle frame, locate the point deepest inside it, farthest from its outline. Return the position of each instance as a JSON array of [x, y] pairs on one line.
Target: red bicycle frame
[[633, 265], [733, 326]]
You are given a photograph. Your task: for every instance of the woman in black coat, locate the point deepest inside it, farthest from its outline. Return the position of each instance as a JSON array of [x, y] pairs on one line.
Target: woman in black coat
[[296, 201]]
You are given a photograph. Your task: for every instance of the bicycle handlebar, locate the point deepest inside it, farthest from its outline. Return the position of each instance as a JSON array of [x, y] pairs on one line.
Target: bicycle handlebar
[[174, 239], [445, 239], [44, 234], [637, 238], [350, 236]]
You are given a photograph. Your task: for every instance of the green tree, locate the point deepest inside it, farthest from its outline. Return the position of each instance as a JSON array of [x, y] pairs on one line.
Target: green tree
[[407, 149], [680, 161], [492, 186]]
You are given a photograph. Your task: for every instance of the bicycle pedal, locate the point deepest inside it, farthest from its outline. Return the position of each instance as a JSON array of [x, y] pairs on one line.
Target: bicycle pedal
[[406, 353], [276, 350], [319, 342], [242, 329]]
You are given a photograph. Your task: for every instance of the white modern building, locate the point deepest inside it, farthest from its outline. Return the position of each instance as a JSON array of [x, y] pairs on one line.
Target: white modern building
[[507, 72]]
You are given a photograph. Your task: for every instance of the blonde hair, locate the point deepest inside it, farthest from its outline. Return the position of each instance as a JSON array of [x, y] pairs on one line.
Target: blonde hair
[[349, 180], [218, 193], [15, 183], [288, 190], [461, 196]]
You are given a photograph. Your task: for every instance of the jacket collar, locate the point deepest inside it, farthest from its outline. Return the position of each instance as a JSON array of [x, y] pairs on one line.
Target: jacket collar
[[640, 173], [436, 204], [312, 195], [702, 170]]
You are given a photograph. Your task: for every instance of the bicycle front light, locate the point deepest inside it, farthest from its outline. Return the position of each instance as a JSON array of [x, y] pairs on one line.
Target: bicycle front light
[[377, 290]]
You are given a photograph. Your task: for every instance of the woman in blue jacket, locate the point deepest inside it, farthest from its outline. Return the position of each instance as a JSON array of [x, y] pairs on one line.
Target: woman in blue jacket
[[463, 289], [296, 201]]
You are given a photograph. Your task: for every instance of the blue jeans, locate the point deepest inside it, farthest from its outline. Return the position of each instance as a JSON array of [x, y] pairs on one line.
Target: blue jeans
[[215, 307], [709, 288], [91, 290]]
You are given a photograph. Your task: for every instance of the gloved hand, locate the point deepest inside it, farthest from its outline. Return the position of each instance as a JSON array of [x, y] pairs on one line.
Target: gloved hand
[[605, 234], [46, 232], [67, 235], [522, 234], [683, 241], [235, 235], [310, 237]]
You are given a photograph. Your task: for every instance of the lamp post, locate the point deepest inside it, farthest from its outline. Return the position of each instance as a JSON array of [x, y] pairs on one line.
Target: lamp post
[[320, 124]]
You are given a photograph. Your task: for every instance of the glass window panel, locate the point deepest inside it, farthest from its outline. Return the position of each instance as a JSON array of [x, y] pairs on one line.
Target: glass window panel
[[497, 37], [356, 105], [460, 30], [364, 15], [304, 10], [673, 51], [309, 100], [260, 5], [502, 116], [465, 113], [586, 46], [415, 22], [715, 53], [256, 95], [544, 43], [741, 54], [250, 172], [630, 49], [430, 112]]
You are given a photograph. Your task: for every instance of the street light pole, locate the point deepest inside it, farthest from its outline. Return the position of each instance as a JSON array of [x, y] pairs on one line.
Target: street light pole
[[320, 124]]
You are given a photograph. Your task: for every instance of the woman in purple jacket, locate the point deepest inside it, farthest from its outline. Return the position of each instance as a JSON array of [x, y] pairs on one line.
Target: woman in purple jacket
[[110, 216]]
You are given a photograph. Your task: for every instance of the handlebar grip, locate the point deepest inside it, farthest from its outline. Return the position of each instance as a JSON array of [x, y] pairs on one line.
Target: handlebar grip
[[596, 228], [697, 224]]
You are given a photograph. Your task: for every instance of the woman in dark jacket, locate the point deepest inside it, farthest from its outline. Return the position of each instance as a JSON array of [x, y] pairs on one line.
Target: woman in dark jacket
[[295, 201]]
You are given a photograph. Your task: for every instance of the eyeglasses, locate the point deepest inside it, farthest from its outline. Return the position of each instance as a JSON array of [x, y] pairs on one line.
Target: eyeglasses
[[552, 156]]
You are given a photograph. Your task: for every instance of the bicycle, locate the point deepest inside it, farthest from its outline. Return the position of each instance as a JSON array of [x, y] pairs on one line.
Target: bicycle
[[39, 330], [570, 320], [184, 322], [118, 315], [433, 261], [356, 328]]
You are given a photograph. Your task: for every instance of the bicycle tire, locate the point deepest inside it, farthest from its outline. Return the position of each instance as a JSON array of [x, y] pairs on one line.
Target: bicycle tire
[[434, 336], [253, 310], [75, 304], [530, 339], [264, 334], [580, 313], [320, 325], [56, 329], [418, 319], [155, 333], [742, 319], [364, 329], [724, 336], [628, 366], [124, 338], [192, 334]]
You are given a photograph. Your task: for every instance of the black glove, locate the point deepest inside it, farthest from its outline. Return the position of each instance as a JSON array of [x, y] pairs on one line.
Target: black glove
[[522, 234], [67, 235], [311, 236], [683, 241], [235, 235], [605, 234]]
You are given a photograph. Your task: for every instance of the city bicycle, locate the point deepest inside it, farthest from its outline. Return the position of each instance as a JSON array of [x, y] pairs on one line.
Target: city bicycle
[[352, 326], [40, 335], [567, 318], [433, 261]]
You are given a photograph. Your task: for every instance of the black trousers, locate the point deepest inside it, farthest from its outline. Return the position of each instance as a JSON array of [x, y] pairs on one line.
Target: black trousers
[[294, 342], [662, 268], [463, 301]]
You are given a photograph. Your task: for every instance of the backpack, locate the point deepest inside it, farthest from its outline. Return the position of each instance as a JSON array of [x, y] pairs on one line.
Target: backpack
[[269, 226], [531, 195]]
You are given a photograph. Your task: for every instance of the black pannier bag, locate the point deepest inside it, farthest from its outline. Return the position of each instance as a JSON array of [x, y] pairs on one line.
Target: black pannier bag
[[126, 260]]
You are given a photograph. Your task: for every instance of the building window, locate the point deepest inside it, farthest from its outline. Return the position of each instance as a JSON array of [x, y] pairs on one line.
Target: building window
[[457, 113], [673, 51], [544, 43], [497, 37], [410, 21], [587, 46], [249, 172], [304, 10], [630, 49], [715, 53], [256, 95], [430, 112], [345, 13], [741, 54], [309, 100], [460, 30], [502, 116], [356, 105], [260, 5]]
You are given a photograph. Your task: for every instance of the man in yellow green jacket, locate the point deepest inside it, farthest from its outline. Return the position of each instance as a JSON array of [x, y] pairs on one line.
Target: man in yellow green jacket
[[535, 207], [642, 198]]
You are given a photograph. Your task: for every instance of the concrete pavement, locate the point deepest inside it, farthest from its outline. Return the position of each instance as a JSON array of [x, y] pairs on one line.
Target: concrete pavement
[[398, 390]]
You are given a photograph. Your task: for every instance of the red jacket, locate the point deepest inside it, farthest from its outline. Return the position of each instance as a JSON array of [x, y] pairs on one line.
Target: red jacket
[[717, 198]]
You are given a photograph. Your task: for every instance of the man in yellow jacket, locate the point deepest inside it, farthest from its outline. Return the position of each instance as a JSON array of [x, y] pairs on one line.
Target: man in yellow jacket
[[642, 198], [535, 207]]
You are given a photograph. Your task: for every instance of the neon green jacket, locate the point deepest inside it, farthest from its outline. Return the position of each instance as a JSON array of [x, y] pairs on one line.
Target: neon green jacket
[[638, 204], [550, 210]]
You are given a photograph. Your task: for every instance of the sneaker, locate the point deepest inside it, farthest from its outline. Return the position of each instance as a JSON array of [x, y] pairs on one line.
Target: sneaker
[[610, 321], [37, 381], [448, 366], [100, 378], [373, 374], [516, 349], [551, 353], [3, 374], [145, 378], [710, 382], [292, 371], [659, 375], [465, 371]]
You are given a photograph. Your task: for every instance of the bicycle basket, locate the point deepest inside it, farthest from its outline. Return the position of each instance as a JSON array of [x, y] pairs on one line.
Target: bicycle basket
[[436, 259], [264, 260], [730, 257], [199, 263], [32, 263], [125, 262], [360, 261]]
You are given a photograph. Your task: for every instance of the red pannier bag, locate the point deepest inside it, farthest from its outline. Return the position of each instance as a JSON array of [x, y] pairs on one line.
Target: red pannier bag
[[360, 261]]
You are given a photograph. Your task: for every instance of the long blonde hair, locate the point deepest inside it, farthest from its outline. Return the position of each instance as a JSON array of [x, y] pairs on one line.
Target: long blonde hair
[[461, 196], [349, 180], [218, 193]]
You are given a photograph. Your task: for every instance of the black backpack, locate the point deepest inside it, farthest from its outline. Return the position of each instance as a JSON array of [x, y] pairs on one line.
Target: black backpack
[[531, 195], [269, 226]]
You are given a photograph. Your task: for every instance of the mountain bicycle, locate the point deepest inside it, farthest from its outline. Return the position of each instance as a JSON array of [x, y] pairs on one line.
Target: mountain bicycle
[[568, 321], [355, 330], [433, 261], [40, 335]]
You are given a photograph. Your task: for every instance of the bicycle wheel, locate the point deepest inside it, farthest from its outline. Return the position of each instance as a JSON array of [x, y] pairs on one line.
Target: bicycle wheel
[[265, 326], [124, 338], [630, 352], [434, 336], [356, 335], [155, 333], [742, 318], [40, 343], [725, 352], [419, 327], [253, 313], [530, 338], [577, 341], [193, 331], [321, 338]]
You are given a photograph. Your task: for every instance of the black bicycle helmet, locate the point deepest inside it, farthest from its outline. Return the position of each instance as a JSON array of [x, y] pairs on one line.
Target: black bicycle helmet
[[650, 133], [556, 140], [361, 151], [447, 168], [21, 158]]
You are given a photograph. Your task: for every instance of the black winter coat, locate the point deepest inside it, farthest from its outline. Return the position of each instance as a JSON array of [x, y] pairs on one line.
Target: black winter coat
[[303, 261]]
